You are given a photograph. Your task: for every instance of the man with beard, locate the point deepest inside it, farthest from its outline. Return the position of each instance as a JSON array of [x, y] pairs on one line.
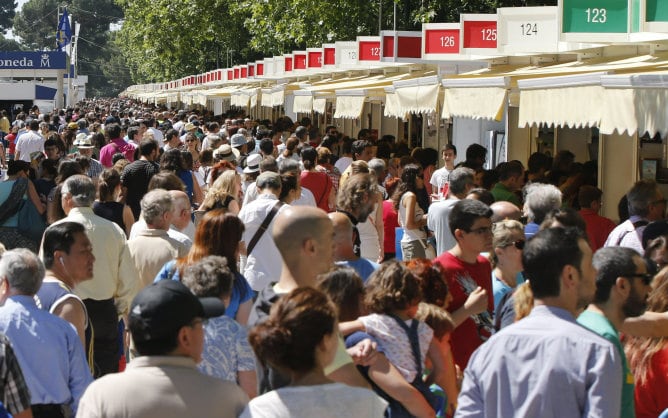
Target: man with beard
[[547, 365], [622, 287]]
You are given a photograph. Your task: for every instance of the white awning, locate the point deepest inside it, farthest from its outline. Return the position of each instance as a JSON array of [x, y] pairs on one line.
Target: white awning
[[419, 95], [265, 101], [635, 103], [349, 104], [303, 103], [320, 105], [568, 101], [277, 98], [477, 98]]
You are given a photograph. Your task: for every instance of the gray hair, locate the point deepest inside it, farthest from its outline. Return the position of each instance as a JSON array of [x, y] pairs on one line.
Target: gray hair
[[23, 270], [155, 204], [82, 190], [640, 196], [378, 166], [459, 179], [540, 200]]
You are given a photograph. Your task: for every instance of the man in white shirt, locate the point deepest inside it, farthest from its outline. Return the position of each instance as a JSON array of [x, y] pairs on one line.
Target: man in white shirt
[[264, 262], [440, 177], [29, 142]]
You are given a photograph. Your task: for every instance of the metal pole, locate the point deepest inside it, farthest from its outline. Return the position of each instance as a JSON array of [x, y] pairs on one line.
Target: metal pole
[[380, 16]]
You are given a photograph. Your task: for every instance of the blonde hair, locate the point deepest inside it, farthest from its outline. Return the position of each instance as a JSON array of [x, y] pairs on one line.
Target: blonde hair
[[224, 186], [523, 301], [503, 236]]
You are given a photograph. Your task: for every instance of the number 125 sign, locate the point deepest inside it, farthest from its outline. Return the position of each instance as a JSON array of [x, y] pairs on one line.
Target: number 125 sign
[[480, 34]]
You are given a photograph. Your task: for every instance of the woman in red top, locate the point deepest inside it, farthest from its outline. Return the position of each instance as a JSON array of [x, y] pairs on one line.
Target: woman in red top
[[390, 220], [648, 358], [319, 183]]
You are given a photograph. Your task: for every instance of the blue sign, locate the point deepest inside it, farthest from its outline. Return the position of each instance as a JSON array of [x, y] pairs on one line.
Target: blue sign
[[45, 60]]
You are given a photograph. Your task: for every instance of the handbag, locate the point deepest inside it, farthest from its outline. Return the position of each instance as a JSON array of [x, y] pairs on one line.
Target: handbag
[[30, 222], [263, 227]]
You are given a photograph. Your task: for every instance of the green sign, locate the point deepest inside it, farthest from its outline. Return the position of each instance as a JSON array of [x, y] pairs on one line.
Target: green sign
[[596, 16], [657, 10]]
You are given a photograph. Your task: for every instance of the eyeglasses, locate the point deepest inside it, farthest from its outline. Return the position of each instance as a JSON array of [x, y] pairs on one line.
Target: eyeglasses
[[645, 277], [484, 230], [190, 140]]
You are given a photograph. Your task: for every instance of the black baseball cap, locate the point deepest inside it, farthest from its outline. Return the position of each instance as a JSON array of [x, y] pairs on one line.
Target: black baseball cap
[[162, 308]]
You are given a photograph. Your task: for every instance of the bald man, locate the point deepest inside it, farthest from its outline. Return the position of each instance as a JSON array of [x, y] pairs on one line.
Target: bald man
[[304, 237], [344, 254], [505, 210]]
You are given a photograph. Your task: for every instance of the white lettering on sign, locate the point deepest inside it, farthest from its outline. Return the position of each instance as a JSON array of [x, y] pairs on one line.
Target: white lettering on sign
[[45, 62], [375, 52], [447, 41], [529, 29], [488, 34], [352, 55], [23, 62], [596, 15]]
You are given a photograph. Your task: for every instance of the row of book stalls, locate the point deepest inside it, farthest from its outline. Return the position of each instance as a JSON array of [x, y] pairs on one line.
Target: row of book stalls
[[588, 77]]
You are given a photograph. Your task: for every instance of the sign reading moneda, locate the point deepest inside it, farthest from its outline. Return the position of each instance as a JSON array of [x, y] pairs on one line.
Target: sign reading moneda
[[41, 60]]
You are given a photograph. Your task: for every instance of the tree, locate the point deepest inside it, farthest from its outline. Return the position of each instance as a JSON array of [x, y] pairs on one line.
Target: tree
[[7, 8], [163, 40], [36, 24]]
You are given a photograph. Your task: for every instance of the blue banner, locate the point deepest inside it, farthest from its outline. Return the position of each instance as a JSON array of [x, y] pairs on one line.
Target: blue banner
[[64, 32], [45, 60]]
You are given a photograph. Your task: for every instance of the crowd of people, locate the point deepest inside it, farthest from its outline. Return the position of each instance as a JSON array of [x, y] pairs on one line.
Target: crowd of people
[[169, 263]]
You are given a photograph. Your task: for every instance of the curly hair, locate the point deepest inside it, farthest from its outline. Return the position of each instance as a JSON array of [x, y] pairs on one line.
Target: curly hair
[[296, 326], [352, 193], [225, 185], [391, 288], [345, 287], [434, 288]]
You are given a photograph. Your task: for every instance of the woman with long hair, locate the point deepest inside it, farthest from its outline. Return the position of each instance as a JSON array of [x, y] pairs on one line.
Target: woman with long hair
[[411, 216], [290, 150], [218, 233], [319, 183], [172, 160], [648, 358], [108, 205], [223, 193], [193, 147], [300, 339]]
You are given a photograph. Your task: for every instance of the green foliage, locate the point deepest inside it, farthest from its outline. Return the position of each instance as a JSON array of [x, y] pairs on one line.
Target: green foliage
[[9, 44], [164, 40], [7, 8]]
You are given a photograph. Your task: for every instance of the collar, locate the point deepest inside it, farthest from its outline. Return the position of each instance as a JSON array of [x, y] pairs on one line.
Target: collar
[[153, 233], [269, 196], [546, 310], [82, 210], [158, 361], [23, 300]]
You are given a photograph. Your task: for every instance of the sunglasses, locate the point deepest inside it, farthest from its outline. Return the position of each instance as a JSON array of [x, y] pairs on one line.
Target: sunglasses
[[645, 277], [519, 244]]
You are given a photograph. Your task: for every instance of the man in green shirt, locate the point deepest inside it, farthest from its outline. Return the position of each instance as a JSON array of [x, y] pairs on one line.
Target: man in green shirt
[[511, 180], [622, 286]]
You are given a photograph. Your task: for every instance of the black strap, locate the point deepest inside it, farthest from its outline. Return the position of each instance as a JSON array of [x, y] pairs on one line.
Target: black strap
[[412, 333], [263, 227], [636, 225], [12, 204]]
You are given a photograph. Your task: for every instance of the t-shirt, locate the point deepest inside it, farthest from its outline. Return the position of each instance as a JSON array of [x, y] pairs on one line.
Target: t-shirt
[[320, 184], [603, 327], [333, 400], [500, 288], [462, 279], [437, 221], [362, 266]]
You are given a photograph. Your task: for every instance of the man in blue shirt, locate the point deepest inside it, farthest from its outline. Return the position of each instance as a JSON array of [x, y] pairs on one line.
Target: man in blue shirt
[[48, 348], [547, 365], [622, 287], [344, 253]]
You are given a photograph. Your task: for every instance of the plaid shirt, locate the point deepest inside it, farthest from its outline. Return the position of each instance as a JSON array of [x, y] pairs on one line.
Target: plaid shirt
[[15, 393]]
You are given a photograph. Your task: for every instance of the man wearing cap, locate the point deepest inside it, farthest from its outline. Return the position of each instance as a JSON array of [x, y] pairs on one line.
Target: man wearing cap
[[166, 323], [263, 264], [225, 152], [188, 128], [622, 287], [239, 142], [85, 149], [29, 142]]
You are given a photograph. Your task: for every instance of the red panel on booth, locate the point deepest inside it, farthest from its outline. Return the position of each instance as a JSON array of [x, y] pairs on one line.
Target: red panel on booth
[[479, 34], [369, 50]]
